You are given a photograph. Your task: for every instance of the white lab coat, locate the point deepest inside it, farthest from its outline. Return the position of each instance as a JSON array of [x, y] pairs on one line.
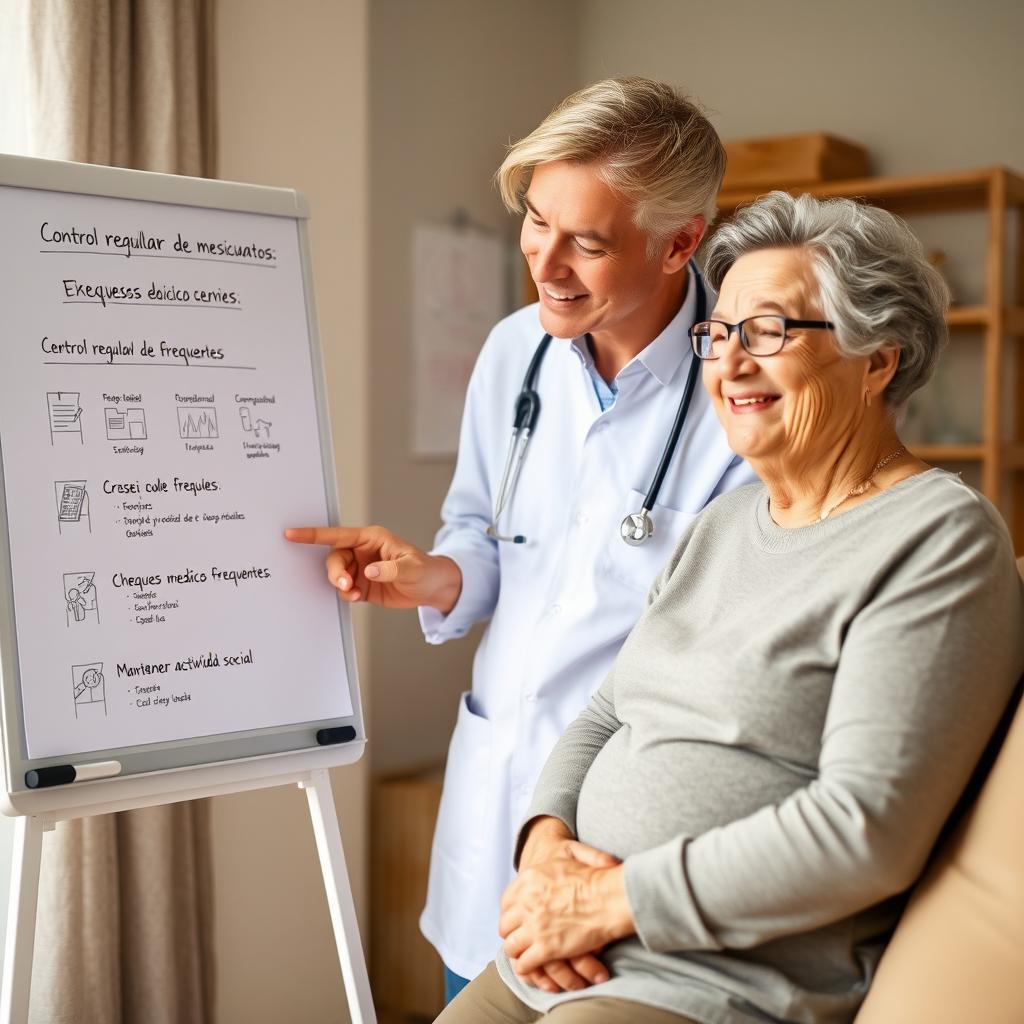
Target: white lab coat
[[560, 604]]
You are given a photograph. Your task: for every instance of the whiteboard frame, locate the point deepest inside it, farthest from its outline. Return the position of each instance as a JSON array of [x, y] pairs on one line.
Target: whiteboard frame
[[175, 769]]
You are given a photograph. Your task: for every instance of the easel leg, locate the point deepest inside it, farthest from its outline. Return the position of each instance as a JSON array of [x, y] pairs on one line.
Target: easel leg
[[339, 896], [21, 918]]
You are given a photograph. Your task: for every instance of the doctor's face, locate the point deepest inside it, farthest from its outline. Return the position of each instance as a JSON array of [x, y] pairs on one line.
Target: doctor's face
[[590, 261]]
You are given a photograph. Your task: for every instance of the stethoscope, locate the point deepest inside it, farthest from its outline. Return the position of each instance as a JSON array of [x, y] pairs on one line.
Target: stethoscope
[[637, 526]]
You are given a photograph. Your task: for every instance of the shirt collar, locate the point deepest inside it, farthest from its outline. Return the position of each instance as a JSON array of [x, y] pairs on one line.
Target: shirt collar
[[663, 356]]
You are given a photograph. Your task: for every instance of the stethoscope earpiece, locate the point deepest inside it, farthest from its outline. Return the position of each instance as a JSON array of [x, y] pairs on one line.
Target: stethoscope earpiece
[[636, 528]]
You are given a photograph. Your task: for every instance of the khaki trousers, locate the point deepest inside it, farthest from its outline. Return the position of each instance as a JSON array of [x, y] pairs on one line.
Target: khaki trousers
[[488, 1000]]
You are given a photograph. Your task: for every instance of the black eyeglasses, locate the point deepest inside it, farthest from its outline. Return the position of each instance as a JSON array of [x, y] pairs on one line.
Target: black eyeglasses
[[759, 335]]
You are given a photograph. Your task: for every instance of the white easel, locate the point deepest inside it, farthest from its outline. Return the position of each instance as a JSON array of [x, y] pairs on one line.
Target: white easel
[[214, 209], [90, 800]]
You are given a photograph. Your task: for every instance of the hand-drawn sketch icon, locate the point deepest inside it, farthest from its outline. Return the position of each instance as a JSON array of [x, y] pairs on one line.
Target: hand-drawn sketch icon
[[198, 421], [65, 414], [89, 687], [129, 425], [253, 424], [72, 504], [80, 597]]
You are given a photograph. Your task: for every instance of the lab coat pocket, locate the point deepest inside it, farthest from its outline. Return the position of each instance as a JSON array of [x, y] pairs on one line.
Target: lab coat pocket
[[639, 566], [465, 797]]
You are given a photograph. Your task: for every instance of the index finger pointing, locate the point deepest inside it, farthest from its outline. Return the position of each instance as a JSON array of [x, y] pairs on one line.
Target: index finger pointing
[[330, 536]]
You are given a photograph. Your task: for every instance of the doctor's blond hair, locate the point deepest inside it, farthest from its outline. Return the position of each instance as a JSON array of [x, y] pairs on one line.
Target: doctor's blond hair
[[654, 147]]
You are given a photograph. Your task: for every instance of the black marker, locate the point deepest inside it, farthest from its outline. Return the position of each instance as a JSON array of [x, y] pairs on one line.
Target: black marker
[[339, 734], [62, 774]]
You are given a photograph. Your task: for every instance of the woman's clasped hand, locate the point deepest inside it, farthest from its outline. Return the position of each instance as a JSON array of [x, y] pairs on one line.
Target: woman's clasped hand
[[567, 902]]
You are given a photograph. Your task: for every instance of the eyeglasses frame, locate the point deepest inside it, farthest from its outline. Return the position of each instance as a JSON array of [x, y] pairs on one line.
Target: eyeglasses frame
[[787, 323]]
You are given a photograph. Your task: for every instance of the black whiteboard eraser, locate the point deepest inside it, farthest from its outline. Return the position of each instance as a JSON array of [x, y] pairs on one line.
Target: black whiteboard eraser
[[54, 775], [340, 734]]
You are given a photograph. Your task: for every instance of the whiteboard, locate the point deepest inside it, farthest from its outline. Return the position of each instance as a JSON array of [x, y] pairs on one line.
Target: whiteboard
[[162, 420]]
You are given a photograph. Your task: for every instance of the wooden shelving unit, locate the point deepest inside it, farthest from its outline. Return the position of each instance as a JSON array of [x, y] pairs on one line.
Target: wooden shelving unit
[[998, 193]]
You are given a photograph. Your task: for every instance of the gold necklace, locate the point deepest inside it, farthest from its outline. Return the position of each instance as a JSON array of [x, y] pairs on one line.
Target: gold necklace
[[861, 487]]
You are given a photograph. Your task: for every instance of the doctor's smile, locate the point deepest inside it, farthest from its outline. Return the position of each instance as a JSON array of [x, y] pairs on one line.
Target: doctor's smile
[[561, 300]]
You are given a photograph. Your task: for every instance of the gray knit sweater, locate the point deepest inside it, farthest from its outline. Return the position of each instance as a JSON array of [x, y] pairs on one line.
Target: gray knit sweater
[[780, 740]]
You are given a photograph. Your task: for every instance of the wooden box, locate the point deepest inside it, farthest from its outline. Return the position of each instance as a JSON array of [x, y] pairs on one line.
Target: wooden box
[[783, 161]]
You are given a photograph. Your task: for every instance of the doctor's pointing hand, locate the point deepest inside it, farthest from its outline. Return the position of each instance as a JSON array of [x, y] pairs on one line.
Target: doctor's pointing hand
[[554, 535], [372, 564]]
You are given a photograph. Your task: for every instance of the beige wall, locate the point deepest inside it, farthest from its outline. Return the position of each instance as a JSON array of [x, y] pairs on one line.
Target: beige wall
[[292, 107], [450, 84], [925, 84]]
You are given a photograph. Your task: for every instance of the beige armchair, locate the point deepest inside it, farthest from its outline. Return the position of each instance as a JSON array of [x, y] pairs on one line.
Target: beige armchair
[[958, 953]]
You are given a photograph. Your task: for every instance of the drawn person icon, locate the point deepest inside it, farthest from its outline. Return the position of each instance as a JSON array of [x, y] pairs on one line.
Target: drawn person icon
[[76, 604], [92, 677]]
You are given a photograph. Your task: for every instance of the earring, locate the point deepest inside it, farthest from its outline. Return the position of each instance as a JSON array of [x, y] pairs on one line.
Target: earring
[[867, 397]]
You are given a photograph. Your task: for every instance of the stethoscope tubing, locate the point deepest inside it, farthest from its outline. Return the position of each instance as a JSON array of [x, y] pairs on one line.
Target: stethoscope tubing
[[636, 527], [673, 437]]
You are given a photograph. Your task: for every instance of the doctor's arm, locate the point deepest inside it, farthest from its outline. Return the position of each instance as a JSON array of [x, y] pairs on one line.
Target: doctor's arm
[[454, 585]]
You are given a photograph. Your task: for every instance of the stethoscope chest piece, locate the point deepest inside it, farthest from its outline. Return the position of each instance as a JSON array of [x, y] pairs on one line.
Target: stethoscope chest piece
[[636, 528]]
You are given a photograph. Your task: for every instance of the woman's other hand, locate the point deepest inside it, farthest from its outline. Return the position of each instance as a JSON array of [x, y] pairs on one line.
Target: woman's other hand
[[370, 563], [549, 838]]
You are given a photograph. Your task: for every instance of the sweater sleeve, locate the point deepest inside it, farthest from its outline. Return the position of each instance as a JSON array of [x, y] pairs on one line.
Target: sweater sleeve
[[558, 787], [561, 779], [925, 671]]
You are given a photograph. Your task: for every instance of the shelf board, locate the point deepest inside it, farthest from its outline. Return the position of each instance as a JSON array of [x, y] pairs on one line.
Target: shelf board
[[920, 193], [949, 452], [977, 318], [964, 317]]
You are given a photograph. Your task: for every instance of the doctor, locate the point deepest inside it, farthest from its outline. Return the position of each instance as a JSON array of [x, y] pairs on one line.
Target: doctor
[[617, 186]]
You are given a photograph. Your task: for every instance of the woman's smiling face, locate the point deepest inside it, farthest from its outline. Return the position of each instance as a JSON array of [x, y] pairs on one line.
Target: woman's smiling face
[[802, 402]]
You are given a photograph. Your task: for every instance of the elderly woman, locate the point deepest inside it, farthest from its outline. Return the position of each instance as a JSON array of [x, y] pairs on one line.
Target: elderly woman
[[732, 821]]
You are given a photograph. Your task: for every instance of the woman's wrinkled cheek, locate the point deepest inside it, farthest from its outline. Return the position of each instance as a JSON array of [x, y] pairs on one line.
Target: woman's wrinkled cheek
[[813, 404], [807, 414]]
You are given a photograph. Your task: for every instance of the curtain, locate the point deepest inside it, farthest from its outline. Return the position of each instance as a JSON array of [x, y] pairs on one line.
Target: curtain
[[124, 926], [123, 933], [121, 82]]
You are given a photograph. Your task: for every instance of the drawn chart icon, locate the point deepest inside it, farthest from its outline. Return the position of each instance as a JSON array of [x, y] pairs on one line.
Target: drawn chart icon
[[197, 421], [125, 425], [89, 688]]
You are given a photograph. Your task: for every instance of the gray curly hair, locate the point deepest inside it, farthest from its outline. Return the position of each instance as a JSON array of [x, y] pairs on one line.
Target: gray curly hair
[[875, 283]]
